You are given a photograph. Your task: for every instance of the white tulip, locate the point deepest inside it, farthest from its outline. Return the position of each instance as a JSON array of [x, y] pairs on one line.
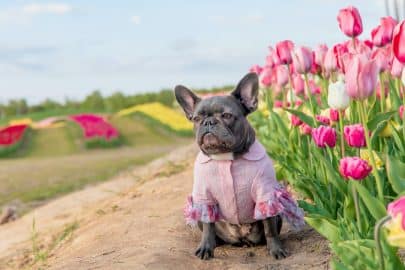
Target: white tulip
[[338, 98]]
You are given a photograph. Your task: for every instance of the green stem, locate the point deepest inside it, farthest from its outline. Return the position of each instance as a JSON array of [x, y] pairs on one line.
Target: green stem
[[309, 94], [342, 143], [291, 86], [356, 206], [382, 92], [370, 152], [377, 238]]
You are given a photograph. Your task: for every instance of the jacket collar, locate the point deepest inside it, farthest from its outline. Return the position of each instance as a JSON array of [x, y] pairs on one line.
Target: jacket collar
[[256, 152]]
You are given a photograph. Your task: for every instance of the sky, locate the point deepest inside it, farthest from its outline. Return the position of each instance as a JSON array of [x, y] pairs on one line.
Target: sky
[[66, 49]]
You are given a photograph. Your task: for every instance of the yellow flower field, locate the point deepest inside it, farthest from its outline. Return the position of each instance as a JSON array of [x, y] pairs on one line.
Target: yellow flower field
[[157, 111]]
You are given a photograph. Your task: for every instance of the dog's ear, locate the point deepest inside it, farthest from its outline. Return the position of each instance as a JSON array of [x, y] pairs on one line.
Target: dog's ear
[[187, 99], [247, 92]]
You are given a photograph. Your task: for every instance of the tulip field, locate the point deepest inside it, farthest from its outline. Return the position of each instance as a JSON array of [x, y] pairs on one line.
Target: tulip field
[[96, 130], [11, 137], [333, 123]]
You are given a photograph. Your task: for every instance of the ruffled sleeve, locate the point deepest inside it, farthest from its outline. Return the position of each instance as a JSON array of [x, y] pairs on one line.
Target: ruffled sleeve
[[272, 199], [194, 212]]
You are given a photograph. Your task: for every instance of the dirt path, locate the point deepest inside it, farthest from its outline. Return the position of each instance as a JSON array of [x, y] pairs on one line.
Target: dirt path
[[139, 228]]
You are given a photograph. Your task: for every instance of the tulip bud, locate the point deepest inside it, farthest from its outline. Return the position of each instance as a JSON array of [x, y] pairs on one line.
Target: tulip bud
[[338, 99], [354, 135], [398, 42], [295, 120], [382, 34], [302, 60], [283, 50], [350, 21], [305, 129], [324, 136], [354, 167]]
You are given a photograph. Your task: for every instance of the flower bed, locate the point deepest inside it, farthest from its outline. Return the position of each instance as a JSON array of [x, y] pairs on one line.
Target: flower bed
[[97, 132], [333, 121], [11, 137], [163, 115]]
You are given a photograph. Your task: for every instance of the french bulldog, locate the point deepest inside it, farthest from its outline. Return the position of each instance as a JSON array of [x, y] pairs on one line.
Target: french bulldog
[[221, 126]]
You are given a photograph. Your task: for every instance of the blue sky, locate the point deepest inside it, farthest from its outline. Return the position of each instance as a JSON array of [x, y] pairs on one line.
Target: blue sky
[[64, 48]]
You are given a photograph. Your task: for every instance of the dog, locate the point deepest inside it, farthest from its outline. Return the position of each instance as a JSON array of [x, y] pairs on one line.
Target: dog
[[236, 198]]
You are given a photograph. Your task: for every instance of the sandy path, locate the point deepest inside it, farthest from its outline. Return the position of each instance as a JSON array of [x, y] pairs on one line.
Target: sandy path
[[143, 228]]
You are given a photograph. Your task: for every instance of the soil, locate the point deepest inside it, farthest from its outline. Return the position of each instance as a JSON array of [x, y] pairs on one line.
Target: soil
[[135, 221]]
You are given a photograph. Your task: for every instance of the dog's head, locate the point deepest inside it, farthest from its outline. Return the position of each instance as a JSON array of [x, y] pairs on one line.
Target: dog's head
[[220, 122]]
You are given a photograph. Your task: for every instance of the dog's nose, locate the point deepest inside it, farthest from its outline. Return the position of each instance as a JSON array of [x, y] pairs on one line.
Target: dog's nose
[[210, 121]]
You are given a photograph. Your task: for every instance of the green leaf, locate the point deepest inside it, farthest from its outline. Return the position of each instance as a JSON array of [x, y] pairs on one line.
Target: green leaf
[[305, 118], [375, 207], [324, 226], [373, 123], [396, 174]]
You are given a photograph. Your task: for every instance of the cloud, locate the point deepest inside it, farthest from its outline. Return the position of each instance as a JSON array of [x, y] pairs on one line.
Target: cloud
[[24, 14], [51, 8], [135, 19]]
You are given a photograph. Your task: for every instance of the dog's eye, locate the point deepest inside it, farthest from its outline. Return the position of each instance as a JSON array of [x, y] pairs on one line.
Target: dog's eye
[[196, 118], [226, 115]]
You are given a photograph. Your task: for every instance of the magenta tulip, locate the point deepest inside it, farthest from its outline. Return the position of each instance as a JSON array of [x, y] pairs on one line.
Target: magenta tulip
[[361, 77], [398, 42], [334, 115], [354, 167], [302, 60], [283, 50], [382, 34], [324, 136], [323, 120], [354, 135], [306, 129], [350, 21]]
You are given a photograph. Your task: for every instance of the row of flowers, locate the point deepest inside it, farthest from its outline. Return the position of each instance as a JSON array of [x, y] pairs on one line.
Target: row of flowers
[[333, 120], [11, 137], [163, 115], [97, 131]]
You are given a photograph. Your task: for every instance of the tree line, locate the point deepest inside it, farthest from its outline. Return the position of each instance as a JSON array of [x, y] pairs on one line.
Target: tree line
[[95, 101]]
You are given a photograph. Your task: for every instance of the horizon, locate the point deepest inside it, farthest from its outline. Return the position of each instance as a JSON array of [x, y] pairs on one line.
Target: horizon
[[68, 49]]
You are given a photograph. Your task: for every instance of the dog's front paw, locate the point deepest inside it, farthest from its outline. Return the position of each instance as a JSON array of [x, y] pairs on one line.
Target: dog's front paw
[[205, 251], [277, 251]]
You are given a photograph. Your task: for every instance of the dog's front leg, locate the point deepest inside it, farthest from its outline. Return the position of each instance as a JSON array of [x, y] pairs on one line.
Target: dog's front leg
[[206, 249], [272, 228]]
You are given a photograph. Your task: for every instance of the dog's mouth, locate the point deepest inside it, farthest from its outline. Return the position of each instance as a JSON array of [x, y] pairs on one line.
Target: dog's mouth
[[212, 145]]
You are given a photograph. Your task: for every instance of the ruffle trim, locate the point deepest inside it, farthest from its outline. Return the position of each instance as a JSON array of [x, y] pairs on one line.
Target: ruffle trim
[[281, 203], [194, 212]]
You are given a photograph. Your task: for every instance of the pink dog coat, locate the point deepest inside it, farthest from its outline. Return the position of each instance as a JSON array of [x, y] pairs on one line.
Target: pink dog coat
[[239, 191]]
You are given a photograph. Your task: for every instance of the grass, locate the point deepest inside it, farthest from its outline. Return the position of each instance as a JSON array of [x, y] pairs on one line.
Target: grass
[[53, 164]]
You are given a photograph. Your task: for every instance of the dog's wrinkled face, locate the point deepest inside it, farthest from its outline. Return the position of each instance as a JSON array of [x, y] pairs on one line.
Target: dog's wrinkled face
[[220, 122]]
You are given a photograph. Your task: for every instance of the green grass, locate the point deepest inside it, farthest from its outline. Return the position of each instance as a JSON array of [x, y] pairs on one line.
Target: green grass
[[54, 164]]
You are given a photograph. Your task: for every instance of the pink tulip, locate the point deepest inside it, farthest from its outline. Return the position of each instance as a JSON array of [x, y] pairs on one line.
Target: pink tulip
[[354, 135], [401, 111], [283, 49], [382, 58], [298, 102], [274, 57], [357, 46], [256, 69], [350, 21], [397, 207], [334, 115], [306, 129], [382, 34], [361, 77], [340, 50], [323, 120], [396, 68], [320, 54], [266, 76], [278, 104], [324, 136], [330, 63], [315, 89], [281, 75], [398, 42], [378, 90], [298, 84], [302, 60], [354, 167], [295, 120]]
